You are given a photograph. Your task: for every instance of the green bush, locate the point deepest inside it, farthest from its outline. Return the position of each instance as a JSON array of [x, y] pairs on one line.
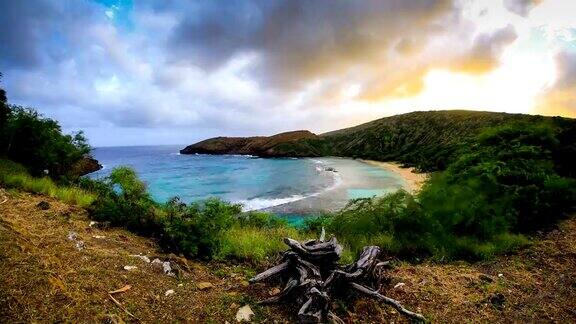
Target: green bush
[[197, 229], [260, 219], [124, 201]]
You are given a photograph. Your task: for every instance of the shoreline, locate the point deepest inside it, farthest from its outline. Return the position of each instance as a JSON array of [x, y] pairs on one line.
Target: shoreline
[[414, 180]]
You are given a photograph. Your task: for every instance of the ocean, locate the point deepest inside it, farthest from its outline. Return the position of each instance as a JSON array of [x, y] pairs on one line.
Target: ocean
[[286, 186]]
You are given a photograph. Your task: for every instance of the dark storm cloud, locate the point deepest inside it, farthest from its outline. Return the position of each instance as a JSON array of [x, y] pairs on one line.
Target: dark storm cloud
[[21, 24], [299, 41], [40, 32]]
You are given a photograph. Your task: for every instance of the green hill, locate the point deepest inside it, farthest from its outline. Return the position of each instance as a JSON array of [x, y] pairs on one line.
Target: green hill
[[427, 140]]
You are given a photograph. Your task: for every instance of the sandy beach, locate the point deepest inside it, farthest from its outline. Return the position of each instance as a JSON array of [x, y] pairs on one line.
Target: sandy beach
[[354, 178], [413, 179]]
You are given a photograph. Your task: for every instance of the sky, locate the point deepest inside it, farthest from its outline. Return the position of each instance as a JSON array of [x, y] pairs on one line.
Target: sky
[[175, 72]]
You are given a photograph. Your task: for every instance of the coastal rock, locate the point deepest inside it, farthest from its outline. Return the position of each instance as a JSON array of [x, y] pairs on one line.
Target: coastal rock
[[265, 146], [85, 165]]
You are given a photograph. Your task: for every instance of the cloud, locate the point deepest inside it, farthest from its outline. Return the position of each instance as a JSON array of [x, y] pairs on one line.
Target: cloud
[[486, 50], [521, 7], [303, 41], [232, 67], [560, 97]]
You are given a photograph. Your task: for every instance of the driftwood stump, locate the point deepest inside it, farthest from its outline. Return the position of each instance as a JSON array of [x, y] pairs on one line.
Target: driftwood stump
[[312, 278]]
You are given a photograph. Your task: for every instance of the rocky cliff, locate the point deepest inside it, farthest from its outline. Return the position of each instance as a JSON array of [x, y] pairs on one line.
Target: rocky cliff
[[85, 165], [257, 145]]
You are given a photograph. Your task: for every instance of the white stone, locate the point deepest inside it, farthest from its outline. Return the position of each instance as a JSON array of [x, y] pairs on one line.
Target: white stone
[[399, 285], [244, 314]]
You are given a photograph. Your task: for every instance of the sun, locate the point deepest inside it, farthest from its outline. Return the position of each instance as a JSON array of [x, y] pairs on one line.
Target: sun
[[514, 87]]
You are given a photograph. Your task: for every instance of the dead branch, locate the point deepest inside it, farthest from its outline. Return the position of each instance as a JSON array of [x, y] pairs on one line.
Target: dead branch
[[312, 276]]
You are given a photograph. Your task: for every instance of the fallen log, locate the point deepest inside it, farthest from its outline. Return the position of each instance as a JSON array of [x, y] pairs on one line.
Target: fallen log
[[312, 278]]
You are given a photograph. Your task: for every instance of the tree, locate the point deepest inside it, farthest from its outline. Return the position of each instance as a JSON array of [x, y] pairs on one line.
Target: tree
[[37, 142]]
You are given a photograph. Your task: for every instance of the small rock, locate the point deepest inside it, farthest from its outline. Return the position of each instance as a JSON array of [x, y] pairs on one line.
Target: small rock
[[79, 244], [274, 291], [244, 314], [169, 292], [497, 300], [43, 205], [204, 285], [485, 277], [72, 236], [99, 225], [167, 269], [399, 285], [129, 268], [141, 257], [500, 275], [165, 265]]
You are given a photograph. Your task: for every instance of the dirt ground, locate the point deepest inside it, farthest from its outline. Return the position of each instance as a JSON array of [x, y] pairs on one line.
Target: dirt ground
[[54, 267]]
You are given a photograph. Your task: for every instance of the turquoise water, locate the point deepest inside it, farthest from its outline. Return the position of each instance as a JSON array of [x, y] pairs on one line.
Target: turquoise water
[[308, 185]]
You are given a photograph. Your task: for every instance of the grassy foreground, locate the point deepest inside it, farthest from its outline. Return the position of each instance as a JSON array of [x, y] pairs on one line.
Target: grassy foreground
[[56, 282], [14, 175]]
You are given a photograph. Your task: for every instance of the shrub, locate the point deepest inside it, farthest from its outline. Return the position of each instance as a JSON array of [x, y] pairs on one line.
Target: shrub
[[260, 219], [196, 229]]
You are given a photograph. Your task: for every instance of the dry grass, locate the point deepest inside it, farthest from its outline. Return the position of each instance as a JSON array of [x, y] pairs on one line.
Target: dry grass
[[44, 278], [536, 285]]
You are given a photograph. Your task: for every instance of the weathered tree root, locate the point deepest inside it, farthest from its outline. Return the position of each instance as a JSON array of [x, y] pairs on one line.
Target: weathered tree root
[[312, 276]]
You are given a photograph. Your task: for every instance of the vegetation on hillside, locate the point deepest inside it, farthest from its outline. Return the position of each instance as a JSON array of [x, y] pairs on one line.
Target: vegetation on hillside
[[428, 140], [510, 181], [38, 142]]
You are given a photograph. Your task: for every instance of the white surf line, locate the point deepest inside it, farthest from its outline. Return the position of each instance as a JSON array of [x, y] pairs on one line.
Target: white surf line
[[260, 203]]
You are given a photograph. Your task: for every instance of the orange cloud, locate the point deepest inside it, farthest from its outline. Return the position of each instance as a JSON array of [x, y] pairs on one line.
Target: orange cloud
[[560, 98]]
